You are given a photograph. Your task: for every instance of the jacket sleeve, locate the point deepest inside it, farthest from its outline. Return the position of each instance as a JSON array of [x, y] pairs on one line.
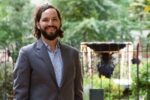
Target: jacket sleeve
[[78, 79], [21, 77]]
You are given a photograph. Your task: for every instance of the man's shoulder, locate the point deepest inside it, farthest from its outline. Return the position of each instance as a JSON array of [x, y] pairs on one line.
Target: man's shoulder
[[69, 47], [28, 47]]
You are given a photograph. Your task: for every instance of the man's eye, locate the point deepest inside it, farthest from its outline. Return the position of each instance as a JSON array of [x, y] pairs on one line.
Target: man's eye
[[45, 20], [55, 19]]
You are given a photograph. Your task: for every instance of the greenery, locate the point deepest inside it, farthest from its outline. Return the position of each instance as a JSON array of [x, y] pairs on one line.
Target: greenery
[[6, 80], [15, 21], [144, 80], [87, 20], [112, 90]]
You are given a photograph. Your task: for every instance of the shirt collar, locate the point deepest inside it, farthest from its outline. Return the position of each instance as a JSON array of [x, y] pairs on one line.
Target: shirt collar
[[49, 48]]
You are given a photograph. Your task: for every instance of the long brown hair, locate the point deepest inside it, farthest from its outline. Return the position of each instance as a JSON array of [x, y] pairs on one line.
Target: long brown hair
[[40, 10]]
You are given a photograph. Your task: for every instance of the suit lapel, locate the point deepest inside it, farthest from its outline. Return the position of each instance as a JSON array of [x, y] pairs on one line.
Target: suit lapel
[[41, 51], [65, 60]]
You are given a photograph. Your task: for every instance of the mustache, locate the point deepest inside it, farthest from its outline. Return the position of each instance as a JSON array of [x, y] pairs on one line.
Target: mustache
[[50, 27]]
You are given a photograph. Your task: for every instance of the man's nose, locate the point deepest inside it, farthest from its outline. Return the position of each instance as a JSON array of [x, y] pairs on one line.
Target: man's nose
[[50, 22]]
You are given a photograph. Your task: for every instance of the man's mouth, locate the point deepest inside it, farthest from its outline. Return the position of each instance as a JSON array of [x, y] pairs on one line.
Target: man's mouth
[[51, 29]]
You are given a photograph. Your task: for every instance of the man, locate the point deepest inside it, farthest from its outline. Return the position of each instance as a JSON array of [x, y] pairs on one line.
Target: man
[[48, 69]]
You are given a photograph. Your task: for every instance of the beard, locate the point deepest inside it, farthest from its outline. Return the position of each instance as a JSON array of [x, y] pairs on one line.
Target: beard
[[52, 35]]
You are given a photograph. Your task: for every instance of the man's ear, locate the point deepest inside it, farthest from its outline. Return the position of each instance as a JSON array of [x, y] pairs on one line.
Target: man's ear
[[38, 25]]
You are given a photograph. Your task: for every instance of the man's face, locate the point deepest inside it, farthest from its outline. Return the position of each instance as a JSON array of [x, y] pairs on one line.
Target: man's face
[[49, 24]]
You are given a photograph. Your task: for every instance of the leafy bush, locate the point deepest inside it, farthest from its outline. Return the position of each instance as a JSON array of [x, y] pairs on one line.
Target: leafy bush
[[144, 80], [111, 90], [6, 80]]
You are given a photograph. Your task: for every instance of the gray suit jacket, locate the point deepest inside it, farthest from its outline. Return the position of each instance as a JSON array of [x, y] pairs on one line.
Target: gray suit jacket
[[34, 77]]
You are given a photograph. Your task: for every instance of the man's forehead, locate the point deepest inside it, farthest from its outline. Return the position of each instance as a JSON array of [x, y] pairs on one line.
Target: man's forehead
[[50, 11]]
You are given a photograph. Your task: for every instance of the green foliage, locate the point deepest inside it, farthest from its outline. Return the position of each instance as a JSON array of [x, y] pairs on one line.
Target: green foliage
[[98, 20], [15, 21], [81, 9], [144, 79], [112, 91], [6, 79], [139, 15], [95, 30]]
